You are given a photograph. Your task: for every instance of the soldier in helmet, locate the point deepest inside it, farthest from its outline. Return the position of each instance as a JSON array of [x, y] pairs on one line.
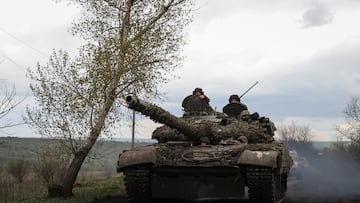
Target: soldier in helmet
[[197, 102], [235, 107]]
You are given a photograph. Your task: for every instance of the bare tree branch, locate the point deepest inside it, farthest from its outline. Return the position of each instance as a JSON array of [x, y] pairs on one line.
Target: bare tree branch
[[7, 103], [351, 130], [294, 133]]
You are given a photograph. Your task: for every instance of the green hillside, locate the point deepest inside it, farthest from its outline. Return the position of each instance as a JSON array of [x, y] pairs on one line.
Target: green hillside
[[104, 152]]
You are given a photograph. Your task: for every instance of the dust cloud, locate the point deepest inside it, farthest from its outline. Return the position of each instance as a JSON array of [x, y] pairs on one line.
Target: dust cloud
[[323, 173]]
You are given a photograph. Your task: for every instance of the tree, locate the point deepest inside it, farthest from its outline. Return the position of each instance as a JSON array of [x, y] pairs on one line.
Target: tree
[[351, 130], [132, 46], [7, 103], [295, 133], [297, 137]]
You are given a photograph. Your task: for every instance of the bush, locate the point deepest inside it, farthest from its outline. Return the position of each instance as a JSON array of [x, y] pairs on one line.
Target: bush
[[51, 168], [18, 169], [6, 187]]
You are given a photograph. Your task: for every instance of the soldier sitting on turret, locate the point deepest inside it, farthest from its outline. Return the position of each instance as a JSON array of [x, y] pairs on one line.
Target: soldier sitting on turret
[[235, 108], [197, 103]]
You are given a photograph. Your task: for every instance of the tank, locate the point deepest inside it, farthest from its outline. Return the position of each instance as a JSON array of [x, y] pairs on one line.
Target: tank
[[204, 157]]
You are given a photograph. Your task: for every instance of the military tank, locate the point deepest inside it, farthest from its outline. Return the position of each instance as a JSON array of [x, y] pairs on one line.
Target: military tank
[[206, 156]]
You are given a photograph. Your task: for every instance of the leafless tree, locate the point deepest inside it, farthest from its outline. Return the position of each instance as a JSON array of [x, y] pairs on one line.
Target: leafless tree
[[295, 133], [51, 166], [351, 130], [8, 102], [132, 46]]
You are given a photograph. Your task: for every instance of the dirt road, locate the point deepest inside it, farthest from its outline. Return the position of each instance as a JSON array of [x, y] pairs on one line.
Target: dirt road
[[298, 192]]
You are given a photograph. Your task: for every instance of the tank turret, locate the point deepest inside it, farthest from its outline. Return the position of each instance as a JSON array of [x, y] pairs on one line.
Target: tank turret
[[213, 128]]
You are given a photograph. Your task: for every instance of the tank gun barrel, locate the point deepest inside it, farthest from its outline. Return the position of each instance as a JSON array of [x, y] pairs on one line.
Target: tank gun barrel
[[160, 115]]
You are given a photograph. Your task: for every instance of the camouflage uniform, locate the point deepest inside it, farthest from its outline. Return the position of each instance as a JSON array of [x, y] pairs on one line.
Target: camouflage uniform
[[195, 104], [234, 108]]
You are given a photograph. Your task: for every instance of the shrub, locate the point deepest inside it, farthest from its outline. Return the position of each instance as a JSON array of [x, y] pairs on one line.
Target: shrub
[[6, 187], [51, 167], [18, 169]]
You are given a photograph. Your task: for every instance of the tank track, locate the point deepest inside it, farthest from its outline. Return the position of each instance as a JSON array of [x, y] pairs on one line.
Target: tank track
[[137, 184], [262, 185]]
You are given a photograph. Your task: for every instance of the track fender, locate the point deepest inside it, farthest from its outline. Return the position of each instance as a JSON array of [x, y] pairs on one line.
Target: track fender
[[259, 158], [141, 155]]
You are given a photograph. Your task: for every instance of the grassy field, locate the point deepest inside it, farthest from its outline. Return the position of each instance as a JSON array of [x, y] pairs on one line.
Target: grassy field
[[85, 190], [105, 152], [97, 179]]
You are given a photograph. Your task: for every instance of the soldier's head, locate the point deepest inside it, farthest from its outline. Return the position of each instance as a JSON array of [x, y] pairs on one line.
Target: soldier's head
[[198, 91], [234, 98]]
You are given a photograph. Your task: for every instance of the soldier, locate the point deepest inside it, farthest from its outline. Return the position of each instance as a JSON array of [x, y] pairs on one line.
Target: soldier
[[197, 102], [235, 107]]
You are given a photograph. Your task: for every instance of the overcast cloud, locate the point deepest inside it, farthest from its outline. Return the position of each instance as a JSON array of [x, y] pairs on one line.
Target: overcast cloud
[[317, 14], [305, 55]]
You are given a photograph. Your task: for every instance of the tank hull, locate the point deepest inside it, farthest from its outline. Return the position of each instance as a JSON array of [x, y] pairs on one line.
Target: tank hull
[[178, 170], [196, 183]]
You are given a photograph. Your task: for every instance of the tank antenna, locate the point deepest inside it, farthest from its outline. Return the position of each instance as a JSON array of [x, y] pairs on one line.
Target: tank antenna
[[249, 89]]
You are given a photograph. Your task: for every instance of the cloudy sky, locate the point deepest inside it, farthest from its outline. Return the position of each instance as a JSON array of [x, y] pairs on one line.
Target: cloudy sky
[[304, 53]]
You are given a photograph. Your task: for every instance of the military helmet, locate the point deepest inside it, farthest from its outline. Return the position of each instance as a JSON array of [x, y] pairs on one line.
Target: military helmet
[[234, 96], [198, 89]]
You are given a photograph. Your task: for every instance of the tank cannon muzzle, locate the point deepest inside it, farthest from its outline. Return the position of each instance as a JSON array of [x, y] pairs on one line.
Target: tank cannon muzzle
[[140, 106], [131, 100]]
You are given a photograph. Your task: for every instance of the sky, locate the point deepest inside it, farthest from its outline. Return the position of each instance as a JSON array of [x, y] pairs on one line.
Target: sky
[[304, 53]]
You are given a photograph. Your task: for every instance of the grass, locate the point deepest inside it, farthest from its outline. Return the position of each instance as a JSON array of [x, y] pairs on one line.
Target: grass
[[85, 190], [99, 188], [12, 191]]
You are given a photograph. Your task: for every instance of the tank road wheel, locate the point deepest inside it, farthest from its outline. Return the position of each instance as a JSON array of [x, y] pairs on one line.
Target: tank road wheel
[[137, 184], [261, 185]]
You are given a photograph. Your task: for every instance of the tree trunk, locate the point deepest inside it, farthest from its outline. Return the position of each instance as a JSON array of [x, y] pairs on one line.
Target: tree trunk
[[74, 168], [71, 173]]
